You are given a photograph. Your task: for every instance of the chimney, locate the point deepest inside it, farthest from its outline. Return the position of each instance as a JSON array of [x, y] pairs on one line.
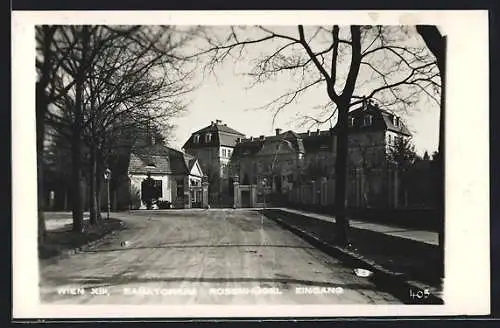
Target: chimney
[[212, 123], [308, 132], [317, 132], [238, 140], [218, 121], [251, 138], [262, 137], [278, 131]]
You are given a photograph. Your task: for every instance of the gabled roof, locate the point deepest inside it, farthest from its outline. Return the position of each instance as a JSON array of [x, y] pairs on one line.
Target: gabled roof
[[381, 120], [159, 159], [221, 135], [251, 146]]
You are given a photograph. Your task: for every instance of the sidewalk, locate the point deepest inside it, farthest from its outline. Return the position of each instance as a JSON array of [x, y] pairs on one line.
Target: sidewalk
[[428, 237], [412, 254], [61, 240], [58, 220]]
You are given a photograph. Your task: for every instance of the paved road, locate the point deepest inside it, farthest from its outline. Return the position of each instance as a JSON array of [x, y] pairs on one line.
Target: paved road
[[204, 257]]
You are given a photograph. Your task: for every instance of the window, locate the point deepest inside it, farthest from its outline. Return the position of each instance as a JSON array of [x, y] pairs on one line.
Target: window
[[196, 139], [229, 153], [208, 137], [395, 121], [389, 139], [158, 188], [224, 153], [180, 187], [367, 120], [351, 121]]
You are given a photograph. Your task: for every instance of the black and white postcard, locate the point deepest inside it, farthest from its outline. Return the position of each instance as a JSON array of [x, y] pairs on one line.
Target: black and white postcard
[[250, 164]]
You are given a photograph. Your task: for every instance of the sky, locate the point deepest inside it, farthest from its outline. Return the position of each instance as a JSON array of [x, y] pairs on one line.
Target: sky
[[226, 96]]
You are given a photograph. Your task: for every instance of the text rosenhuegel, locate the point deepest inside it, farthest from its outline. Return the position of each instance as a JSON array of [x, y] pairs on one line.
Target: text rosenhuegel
[[245, 291]]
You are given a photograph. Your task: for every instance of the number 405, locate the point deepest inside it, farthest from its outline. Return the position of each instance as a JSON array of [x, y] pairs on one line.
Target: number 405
[[419, 294]]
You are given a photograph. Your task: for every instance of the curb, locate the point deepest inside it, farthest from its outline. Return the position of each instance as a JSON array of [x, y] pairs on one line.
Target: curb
[[392, 282], [69, 252]]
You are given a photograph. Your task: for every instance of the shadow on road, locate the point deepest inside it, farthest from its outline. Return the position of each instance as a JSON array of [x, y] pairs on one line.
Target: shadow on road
[[190, 246]]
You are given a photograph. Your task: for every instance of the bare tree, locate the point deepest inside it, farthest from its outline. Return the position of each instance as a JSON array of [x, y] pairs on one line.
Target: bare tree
[[129, 86], [436, 43], [47, 62], [114, 76], [386, 63]]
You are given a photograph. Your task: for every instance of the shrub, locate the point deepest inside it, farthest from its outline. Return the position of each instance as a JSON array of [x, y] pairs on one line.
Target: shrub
[[164, 204]]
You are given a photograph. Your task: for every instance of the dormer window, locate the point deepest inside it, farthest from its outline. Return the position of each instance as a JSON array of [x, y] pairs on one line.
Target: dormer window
[[395, 121], [368, 120], [196, 139], [351, 121], [208, 137]]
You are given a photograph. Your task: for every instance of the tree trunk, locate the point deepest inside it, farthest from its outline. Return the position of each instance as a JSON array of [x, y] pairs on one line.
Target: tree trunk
[[442, 64], [41, 107], [342, 224], [93, 185], [76, 145], [65, 197], [437, 44], [99, 178]]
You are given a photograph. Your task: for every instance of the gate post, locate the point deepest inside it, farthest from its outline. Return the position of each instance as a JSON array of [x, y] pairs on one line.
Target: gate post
[[237, 194], [204, 193]]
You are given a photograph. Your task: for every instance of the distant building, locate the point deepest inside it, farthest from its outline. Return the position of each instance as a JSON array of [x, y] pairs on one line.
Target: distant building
[[287, 160], [178, 176], [213, 146]]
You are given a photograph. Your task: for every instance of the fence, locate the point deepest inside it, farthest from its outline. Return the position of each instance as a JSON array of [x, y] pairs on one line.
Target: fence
[[382, 189]]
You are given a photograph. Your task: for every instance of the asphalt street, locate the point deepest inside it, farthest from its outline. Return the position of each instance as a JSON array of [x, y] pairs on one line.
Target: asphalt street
[[203, 257]]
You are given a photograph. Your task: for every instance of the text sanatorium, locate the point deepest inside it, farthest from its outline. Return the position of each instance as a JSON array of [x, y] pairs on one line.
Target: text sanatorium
[[159, 291]]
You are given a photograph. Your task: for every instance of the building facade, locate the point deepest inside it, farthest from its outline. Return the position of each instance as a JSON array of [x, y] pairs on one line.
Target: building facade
[[300, 167], [178, 177], [213, 146]]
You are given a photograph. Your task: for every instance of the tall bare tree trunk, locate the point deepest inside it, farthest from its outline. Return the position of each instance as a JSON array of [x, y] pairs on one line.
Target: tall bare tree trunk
[[99, 173], [342, 224], [94, 209], [41, 107], [437, 44], [441, 153], [76, 145]]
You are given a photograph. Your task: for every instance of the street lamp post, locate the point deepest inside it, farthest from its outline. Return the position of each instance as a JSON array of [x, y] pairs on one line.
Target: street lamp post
[[107, 177], [264, 187]]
